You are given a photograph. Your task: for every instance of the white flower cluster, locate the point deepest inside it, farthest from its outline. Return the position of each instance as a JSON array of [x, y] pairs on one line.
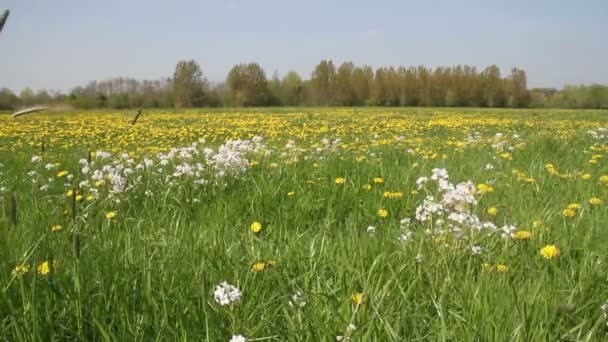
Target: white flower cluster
[[452, 212], [599, 133], [226, 294], [231, 158], [238, 338]]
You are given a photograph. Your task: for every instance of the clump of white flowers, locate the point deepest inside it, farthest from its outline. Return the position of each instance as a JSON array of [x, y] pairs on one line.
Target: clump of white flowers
[[238, 338], [226, 294], [297, 300], [448, 209]]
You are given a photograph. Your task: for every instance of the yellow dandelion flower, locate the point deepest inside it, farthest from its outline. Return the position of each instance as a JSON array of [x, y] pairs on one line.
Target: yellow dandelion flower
[[258, 267], [506, 155], [383, 213], [111, 215], [56, 228], [569, 212], [522, 235], [340, 180], [484, 188], [378, 180], [604, 179], [574, 206], [392, 195], [45, 267], [90, 198], [595, 201], [256, 227], [70, 193], [62, 174], [367, 187], [20, 270], [78, 198], [501, 268], [358, 298], [550, 251], [586, 176], [492, 211]]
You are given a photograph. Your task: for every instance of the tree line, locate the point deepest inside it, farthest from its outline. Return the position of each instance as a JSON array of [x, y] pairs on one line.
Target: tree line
[[328, 85]]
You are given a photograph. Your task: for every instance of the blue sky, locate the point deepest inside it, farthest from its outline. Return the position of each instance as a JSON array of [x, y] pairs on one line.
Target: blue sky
[[64, 43]]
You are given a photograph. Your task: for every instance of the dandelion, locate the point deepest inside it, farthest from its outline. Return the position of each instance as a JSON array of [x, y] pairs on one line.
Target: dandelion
[[90, 198], [382, 213], [256, 227], [62, 174], [378, 180], [56, 228], [501, 268], [604, 179], [226, 294], [340, 180], [506, 156], [574, 206], [358, 298], [45, 267], [550, 251], [20, 270], [393, 195], [111, 215], [70, 193], [258, 267], [522, 235], [367, 187], [492, 211], [569, 212], [586, 176], [484, 188], [595, 201]]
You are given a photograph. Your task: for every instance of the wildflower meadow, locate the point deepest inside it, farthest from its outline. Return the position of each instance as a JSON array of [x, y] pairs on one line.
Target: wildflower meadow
[[308, 224]]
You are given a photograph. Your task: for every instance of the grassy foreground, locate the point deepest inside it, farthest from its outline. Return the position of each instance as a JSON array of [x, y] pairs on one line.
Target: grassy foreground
[[357, 224]]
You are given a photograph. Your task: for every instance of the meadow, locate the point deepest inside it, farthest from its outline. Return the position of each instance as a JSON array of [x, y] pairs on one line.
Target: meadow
[[315, 224]]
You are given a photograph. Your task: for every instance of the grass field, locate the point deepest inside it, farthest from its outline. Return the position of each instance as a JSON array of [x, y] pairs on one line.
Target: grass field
[[354, 224]]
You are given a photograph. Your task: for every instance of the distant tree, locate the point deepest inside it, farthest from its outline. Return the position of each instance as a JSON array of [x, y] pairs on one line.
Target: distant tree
[[189, 85], [362, 82], [322, 83], [248, 85], [8, 100], [343, 92], [292, 89], [493, 92], [517, 89]]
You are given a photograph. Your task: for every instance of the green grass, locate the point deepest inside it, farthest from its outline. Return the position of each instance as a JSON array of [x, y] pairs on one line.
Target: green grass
[[150, 273]]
